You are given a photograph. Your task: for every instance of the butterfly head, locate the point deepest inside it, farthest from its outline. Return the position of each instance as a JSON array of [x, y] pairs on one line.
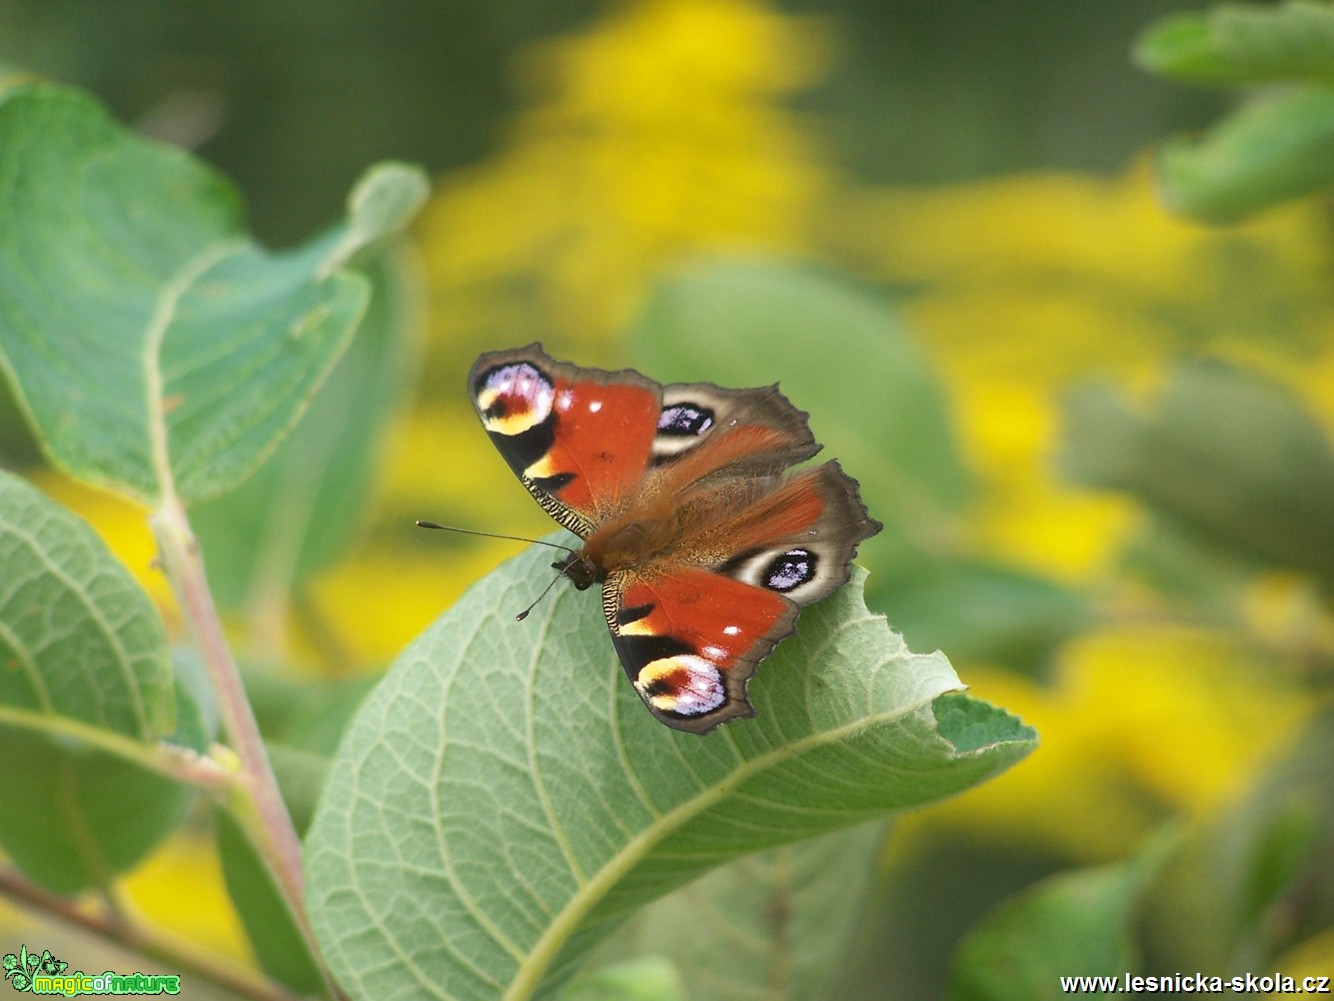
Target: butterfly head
[[579, 570]]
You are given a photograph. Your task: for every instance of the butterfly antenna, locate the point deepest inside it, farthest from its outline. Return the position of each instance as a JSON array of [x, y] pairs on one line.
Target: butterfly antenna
[[494, 535], [524, 614]]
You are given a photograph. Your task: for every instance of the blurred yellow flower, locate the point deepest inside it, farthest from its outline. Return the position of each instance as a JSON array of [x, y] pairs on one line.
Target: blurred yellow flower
[[1143, 723], [1028, 284], [656, 134], [179, 888]]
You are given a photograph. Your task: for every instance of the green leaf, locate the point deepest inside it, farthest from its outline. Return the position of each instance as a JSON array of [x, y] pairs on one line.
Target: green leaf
[[86, 693], [1276, 147], [1243, 44], [273, 933], [302, 508], [839, 353], [986, 612], [649, 979], [310, 715], [277, 943], [777, 923], [1071, 924], [1227, 455], [155, 349], [502, 801], [1238, 890], [80, 642]]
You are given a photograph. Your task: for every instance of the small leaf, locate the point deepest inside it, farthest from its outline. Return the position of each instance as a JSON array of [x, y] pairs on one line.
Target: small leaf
[[1243, 44], [80, 641], [502, 801], [1227, 455], [269, 925], [155, 349], [986, 612], [649, 979], [1276, 147], [1071, 924], [86, 689]]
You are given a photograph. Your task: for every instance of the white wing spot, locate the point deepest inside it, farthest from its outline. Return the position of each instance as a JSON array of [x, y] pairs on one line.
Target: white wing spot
[[732, 630], [594, 406]]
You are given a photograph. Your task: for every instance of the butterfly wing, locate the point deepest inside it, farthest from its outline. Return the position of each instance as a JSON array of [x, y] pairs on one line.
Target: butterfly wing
[[690, 634], [579, 439], [706, 552]]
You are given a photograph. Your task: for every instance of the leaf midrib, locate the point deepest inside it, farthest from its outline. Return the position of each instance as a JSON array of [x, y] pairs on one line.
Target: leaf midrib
[[530, 972], [164, 313]]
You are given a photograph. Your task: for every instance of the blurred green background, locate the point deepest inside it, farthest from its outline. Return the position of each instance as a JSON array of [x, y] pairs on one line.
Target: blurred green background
[[1098, 434]]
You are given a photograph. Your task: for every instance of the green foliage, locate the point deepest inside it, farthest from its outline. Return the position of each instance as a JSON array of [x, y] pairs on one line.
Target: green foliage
[[781, 920], [1277, 146], [882, 413], [156, 350], [1238, 44], [86, 692], [1237, 889], [634, 980], [302, 508], [530, 804], [1073, 923], [1264, 490], [879, 408]]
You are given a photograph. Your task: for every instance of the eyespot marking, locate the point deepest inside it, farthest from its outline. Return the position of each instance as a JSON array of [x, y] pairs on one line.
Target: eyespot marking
[[684, 420], [514, 398], [686, 684], [790, 570]]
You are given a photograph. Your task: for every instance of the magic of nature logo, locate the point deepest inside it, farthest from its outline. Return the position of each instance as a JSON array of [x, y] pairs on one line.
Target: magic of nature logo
[[44, 974]]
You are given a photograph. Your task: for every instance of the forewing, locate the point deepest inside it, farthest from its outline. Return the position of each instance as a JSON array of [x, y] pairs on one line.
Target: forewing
[[697, 418], [579, 439]]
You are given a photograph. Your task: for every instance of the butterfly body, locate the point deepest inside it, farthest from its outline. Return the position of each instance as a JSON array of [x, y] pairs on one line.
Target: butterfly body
[[705, 548]]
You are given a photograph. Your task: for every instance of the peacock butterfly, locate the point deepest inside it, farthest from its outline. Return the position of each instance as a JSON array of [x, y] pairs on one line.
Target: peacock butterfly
[[705, 549]]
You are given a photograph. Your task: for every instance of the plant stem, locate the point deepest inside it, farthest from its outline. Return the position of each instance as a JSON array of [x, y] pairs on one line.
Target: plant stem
[[174, 953], [256, 801]]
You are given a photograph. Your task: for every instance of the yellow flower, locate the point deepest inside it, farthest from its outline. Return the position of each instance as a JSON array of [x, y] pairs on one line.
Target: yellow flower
[[656, 134], [1142, 724], [1032, 283]]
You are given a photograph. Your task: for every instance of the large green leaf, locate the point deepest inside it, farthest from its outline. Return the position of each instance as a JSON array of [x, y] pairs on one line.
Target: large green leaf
[[301, 509], [86, 691], [839, 353], [153, 346], [80, 643], [502, 801]]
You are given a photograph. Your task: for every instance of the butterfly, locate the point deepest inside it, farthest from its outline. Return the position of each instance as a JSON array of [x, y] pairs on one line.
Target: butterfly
[[705, 549]]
